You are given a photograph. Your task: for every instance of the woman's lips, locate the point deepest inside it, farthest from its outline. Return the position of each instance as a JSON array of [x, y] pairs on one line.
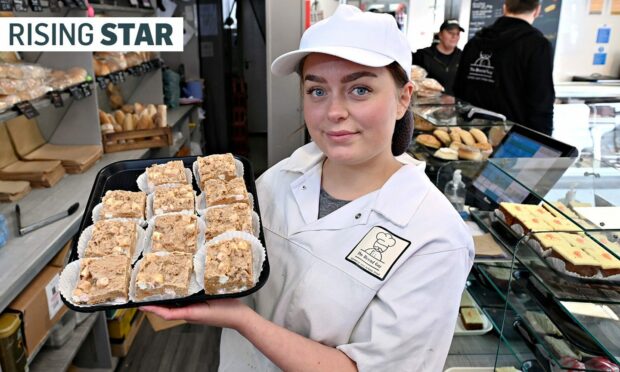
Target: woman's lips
[[341, 135]]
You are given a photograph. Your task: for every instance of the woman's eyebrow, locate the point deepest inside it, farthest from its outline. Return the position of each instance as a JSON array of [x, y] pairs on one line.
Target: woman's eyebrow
[[356, 75], [316, 79]]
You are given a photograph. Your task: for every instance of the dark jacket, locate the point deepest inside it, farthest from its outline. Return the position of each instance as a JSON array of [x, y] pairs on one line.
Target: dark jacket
[[436, 68], [507, 68]]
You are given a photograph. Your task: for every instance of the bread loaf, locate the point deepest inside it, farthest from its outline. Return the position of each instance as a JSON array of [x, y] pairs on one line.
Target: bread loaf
[[478, 135], [428, 140], [467, 138], [444, 137]]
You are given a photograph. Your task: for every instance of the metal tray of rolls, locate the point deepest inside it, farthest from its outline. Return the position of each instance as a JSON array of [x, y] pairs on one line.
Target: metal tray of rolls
[[123, 175]]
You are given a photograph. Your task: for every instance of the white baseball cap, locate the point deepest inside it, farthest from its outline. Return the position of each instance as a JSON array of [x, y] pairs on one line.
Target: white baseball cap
[[369, 39]]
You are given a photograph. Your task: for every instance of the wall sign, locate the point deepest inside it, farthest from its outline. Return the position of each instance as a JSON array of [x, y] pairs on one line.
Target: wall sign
[[485, 12]]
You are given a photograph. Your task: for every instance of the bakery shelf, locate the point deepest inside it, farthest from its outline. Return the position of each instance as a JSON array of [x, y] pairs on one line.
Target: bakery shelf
[[545, 323], [178, 114], [450, 115], [586, 188], [565, 287], [59, 359], [42, 102], [135, 71], [106, 8]]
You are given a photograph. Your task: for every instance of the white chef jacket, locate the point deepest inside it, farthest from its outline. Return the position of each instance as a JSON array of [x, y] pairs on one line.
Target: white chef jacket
[[379, 278]]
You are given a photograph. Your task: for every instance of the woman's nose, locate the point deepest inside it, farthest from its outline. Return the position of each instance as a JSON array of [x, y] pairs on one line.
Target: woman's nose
[[337, 110]]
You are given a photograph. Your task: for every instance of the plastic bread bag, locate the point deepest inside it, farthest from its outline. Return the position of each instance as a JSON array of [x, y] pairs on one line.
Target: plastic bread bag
[[36, 92], [6, 102], [418, 73], [258, 258], [200, 233], [87, 234], [61, 80], [69, 280], [12, 86], [193, 286], [20, 71], [431, 84]]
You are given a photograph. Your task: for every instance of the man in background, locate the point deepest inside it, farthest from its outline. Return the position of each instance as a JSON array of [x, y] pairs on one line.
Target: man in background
[[441, 60], [507, 68]]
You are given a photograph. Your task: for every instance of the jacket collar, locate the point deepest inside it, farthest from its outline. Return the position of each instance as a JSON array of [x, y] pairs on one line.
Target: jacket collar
[[409, 184]]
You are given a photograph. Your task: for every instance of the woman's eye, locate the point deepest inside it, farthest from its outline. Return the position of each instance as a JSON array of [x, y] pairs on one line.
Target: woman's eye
[[317, 92], [360, 91]]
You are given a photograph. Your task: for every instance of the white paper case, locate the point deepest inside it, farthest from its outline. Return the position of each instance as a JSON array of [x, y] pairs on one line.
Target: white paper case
[[194, 286], [148, 188], [200, 239], [258, 256], [69, 278], [150, 213], [87, 234], [96, 216], [238, 168]]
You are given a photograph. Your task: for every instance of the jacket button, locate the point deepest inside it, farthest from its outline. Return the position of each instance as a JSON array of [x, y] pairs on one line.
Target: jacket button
[[303, 187], [357, 216]]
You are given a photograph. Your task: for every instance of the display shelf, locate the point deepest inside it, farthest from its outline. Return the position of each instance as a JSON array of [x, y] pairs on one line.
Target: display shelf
[[441, 99], [51, 359], [522, 300], [42, 103], [443, 115], [576, 183], [120, 76], [565, 287], [108, 8]]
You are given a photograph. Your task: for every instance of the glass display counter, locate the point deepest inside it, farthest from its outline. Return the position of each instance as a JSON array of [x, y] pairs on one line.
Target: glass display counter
[[556, 302]]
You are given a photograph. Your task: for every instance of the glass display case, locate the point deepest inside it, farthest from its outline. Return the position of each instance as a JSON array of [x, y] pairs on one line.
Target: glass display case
[[556, 302], [551, 314]]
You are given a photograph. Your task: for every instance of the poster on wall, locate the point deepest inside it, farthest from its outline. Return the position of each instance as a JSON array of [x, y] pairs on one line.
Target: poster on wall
[[485, 12]]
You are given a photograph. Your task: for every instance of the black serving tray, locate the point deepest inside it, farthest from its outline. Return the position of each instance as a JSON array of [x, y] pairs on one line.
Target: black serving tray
[[122, 175]]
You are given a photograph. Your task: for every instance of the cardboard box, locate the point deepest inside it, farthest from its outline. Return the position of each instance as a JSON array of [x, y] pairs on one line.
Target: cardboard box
[[121, 348], [160, 324], [61, 259], [119, 327], [40, 307]]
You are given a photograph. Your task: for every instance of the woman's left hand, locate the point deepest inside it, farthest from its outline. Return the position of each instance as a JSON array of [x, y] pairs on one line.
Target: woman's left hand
[[225, 313]]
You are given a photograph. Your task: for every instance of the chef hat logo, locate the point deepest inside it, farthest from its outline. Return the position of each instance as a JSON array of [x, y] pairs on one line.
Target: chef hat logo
[[384, 241]]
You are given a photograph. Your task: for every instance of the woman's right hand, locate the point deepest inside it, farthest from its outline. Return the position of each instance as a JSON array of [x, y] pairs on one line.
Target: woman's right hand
[[225, 313]]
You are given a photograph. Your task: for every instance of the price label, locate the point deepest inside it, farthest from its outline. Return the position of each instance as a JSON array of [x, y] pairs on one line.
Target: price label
[[102, 81], [86, 89], [76, 92], [114, 78], [70, 3], [35, 5], [56, 98], [156, 63], [122, 75], [54, 6], [27, 109], [81, 4], [6, 5], [20, 5]]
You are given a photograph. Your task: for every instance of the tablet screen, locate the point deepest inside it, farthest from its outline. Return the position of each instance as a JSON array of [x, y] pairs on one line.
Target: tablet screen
[[498, 187]]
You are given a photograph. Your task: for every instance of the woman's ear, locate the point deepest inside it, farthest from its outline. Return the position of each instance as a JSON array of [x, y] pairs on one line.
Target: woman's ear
[[404, 99]]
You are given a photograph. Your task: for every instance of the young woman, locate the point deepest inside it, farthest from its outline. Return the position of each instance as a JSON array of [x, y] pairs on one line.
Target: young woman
[[368, 259]]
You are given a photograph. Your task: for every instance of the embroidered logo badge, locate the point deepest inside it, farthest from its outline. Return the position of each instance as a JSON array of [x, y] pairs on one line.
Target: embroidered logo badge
[[482, 69], [378, 251]]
